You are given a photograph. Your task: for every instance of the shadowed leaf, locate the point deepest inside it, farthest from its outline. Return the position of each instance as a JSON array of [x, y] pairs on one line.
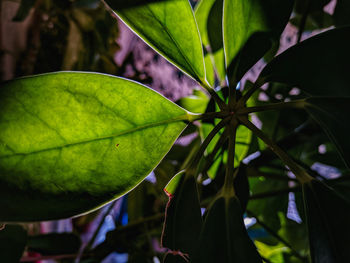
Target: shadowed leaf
[[224, 238], [319, 65], [333, 116], [13, 239], [183, 220], [328, 217]]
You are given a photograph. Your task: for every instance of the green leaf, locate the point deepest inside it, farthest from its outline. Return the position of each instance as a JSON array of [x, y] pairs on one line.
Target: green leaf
[[249, 28], [319, 65], [54, 243], [224, 238], [197, 102], [70, 142], [333, 116], [183, 220], [170, 28], [13, 239], [328, 217], [209, 19]]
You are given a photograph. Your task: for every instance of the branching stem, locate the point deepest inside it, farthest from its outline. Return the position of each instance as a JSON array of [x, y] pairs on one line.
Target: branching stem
[[298, 171]]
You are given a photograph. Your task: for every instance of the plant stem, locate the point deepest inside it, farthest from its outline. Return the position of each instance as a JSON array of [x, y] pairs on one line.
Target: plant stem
[[217, 147], [222, 105], [207, 115], [230, 171], [276, 106], [298, 171], [303, 20], [250, 92], [191, 170]]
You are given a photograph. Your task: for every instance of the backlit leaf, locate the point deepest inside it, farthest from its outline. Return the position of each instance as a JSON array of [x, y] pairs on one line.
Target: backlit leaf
[[70, 142], [170, 28], [249, 28]]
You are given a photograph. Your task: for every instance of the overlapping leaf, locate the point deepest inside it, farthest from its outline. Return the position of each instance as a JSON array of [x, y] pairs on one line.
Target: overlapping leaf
[[319, 65], [170, 28], [71, 142], [224, 237], [333, 116], [249, 27], [328, 216], [183, 216]]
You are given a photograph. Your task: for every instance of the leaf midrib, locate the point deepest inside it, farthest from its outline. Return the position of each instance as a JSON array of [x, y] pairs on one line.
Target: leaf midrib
[[184, 118]]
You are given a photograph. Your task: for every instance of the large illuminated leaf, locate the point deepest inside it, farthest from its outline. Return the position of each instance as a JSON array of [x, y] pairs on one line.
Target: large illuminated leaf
[[170, 28], [249, 29], [319, 65], [71, 142]]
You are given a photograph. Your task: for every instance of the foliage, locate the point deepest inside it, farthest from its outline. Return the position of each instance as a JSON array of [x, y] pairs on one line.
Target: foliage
[[73, 141]]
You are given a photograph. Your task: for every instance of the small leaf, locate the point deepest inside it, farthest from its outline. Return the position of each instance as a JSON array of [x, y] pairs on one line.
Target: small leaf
[[183, 220], [319, 65], [328, 217], [224, 238], [170, 28], [197, 102], [54, 243], [70, 142], [333, 116], [13, 239], [249, 27]]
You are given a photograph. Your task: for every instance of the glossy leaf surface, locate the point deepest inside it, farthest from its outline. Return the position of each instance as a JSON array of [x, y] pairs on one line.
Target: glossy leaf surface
[[328, 217], [224, 237], [183, 220], [319, 65], [71, 142], [333, 116], [249, 26], [170, 28]]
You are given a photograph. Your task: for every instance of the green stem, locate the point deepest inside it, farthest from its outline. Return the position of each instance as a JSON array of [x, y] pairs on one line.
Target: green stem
[[298, 171], [191, 170], [217, 147], [230, 171], [208, 115], [276, 106], [222, 105], [250, 92]]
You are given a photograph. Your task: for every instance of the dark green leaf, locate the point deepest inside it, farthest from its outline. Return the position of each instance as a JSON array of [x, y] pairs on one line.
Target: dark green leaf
[[249, 27], [224, 238], [54, 243], [341, 13], [174, 258], [183, 220], [170, 28], [333, 116], [319, 65], [13, 239], [328, 217], [23, 10], [71, 142]]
